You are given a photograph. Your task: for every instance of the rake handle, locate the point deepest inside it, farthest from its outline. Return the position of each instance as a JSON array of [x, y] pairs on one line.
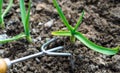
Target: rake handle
[[3, 66]]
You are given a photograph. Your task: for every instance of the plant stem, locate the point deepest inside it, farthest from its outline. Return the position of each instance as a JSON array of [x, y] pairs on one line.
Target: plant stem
[[2, 25], [29, 39], [25, 15], [27, 25], [72, 39]]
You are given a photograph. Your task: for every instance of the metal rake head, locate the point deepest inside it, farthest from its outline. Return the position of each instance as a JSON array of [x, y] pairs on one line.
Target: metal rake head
[[44, 46]]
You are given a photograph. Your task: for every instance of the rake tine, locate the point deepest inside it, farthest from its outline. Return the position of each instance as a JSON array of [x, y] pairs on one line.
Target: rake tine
[[53, 53]]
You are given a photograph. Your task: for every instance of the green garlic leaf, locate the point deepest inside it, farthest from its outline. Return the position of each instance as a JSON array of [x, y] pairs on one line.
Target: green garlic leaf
[[60, 12], [13, 38], [61, 33], [23, 11], [93, 46], [79, 21]]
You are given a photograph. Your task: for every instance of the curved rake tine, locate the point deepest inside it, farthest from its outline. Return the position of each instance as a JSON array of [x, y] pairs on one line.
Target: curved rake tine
[[58, 54], [54, 49], [57, 48], [47, 43]]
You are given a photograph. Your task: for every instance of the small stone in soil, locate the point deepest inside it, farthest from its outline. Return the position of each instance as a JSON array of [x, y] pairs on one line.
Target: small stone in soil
[[116, 58], [49, 23], [24, 68], [40, 23], [3, 37], [1, 51], [115, 12], [38, 61], [40, 6]]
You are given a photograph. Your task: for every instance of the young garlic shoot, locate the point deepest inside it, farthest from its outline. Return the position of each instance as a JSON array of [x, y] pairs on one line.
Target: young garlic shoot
[[17, 37], [73, 33], [2, 14], [25, 20]]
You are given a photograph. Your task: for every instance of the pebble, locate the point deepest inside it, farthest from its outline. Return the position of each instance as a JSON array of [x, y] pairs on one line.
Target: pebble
[[49, 23], [40, 23], [35, 30], [40, 6], [93, 67], [34, 17], [18, 10], [1, 51], [116, 66], [24, 68], [37, 39], [50, 1], [3, 37], [115, 12], [116, 58]]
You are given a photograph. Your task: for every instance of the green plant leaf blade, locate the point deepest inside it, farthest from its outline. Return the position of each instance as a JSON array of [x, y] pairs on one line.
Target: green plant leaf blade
[[23, 11], [79, 21], [62, 15], [91, 45], [1, 18], [8, 8], [17, 37], [1, 4], [61, 33], [27, 25], [25, 19]]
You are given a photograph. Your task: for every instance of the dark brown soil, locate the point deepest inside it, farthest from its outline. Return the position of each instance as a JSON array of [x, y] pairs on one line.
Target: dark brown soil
[[101, 25]]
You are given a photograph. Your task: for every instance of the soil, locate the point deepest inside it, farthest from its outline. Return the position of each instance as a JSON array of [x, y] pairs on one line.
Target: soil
[[101, 25]]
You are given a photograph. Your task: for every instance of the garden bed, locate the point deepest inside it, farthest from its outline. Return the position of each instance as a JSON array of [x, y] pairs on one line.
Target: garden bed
[[101, 24]]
